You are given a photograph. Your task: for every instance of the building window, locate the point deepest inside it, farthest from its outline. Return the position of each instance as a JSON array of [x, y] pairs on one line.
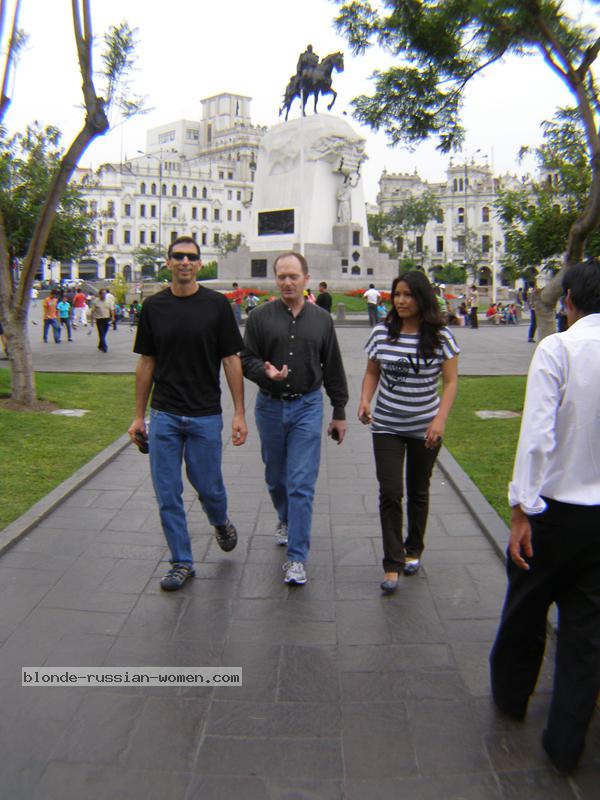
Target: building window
[[127, 210], [194, 212], [164, 190], [355, 271], [229, 194], [439, 215], [110, 209], [258, 268], [184, 191], [238, 216], [370, 271], [221, 175], [152, 237], [419, 244], [204, 192], [204, 213], [174, 191], [194, 236], [152, 211], [230, 176], [485, 214], [174, 212], [142, 188], [192, 135], [216, 214], [216, 239], [485, 243], [142, 237], [173, 235], [439, 244], [143, 210], [344, 270], [153, 189], [461, 215], [165, 138], [355, 238], [204, 239], [194, 192], [93, 207], [126, 237], [229, 215], [110, 236], [460, 244], [455, 185], [238, 195], [461, 185]]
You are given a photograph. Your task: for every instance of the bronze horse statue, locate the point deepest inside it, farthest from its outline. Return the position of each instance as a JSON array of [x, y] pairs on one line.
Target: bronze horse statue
[[315, 81]]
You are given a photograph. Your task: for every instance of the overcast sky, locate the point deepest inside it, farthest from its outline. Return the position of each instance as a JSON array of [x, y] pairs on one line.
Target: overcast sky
[[191, 50]]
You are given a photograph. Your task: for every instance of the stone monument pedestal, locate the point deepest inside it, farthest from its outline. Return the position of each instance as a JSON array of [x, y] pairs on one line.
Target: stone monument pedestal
[[308, 197]]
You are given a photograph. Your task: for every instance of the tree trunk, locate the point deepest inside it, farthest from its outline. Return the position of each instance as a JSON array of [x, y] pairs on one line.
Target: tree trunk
[[21, 362]]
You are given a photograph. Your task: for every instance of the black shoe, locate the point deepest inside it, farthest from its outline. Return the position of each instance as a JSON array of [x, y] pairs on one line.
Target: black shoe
[[561, 767], [176, 577], [389, 587], [226, 536]]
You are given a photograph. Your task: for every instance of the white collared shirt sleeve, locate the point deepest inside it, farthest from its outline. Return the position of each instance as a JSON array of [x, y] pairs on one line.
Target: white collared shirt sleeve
[[537, 438]]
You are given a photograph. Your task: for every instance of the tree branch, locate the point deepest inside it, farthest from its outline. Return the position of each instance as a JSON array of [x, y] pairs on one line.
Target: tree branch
[[10, 54], [590, 56]]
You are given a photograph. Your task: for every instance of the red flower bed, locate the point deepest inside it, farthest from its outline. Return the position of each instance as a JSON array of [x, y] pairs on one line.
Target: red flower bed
[[246, 292]]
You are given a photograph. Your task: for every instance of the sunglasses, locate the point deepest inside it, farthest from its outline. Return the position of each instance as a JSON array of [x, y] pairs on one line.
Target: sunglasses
[[178, 256]]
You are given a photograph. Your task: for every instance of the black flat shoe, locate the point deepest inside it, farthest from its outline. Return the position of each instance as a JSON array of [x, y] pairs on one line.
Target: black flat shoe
[[389, 587]]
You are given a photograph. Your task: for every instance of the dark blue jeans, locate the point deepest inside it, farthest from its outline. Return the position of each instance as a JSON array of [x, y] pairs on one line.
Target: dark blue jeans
[[290, 437], [52, 323], [197, 441]]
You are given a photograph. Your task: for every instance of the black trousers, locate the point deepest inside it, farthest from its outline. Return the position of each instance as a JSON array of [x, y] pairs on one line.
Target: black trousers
[[391, 453], [372, 309], [565, 569], [102, 325], [532, 326]]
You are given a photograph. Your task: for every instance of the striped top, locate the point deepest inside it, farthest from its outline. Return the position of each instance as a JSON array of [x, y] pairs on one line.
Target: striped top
[[407, 400]]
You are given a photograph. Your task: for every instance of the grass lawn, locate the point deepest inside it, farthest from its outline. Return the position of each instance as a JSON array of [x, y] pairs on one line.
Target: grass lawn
[[485, 448], [40, 450]]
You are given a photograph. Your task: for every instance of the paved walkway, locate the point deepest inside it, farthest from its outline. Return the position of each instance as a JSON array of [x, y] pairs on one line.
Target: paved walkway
[[346, 694]]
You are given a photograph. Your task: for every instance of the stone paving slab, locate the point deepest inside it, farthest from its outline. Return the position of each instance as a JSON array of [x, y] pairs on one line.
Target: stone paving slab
[[346, 694]]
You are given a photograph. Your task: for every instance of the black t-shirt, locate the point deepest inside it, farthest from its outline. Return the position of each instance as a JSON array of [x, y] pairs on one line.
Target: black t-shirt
[[188, 337], [324, 300]]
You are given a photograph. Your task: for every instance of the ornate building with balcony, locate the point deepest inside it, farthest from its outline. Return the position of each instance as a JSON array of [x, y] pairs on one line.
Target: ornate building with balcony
[[194, 178], [466, 231]]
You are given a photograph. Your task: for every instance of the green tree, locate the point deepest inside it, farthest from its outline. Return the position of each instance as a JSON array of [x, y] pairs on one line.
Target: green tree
[[408, 219], [538, 216], [441, 45], [27, 164], [148, 256], [229, 242], [15, 289]]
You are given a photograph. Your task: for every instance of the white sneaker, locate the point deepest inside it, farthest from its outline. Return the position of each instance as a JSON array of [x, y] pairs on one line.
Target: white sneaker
[[281, 533], [294, 572]]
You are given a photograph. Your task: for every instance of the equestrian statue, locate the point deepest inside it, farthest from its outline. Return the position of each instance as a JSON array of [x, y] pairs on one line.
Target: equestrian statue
[[312, 77]]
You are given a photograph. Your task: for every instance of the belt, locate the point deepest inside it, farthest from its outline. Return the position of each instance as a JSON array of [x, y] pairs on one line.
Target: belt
[[284, 397]]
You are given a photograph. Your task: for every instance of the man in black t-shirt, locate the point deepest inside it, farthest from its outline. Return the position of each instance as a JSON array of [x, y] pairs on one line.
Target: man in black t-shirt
[[184, 335], [324, 299]]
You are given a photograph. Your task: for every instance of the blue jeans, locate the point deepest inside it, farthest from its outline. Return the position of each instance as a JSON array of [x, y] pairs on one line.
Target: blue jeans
[[54, 324], [197, 441], [290, 437]]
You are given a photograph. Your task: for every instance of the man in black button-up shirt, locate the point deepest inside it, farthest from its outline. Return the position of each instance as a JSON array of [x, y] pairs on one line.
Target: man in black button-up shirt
[[290, 350]]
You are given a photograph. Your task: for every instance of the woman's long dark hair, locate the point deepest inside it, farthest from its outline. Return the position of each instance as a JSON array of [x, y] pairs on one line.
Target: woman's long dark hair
[[431, 318]]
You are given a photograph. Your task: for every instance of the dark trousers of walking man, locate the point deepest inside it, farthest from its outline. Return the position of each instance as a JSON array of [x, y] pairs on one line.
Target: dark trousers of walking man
[[102, 325]]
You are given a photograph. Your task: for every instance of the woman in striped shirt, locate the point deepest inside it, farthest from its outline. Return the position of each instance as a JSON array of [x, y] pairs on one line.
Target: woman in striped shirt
[[406, 355]]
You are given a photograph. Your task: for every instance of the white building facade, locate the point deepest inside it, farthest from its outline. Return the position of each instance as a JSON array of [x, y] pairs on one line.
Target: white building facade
[[195, 178], [466, 232]]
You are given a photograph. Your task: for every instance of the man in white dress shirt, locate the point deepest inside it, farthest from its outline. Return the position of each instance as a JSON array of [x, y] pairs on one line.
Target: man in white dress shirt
[[554, 550]]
